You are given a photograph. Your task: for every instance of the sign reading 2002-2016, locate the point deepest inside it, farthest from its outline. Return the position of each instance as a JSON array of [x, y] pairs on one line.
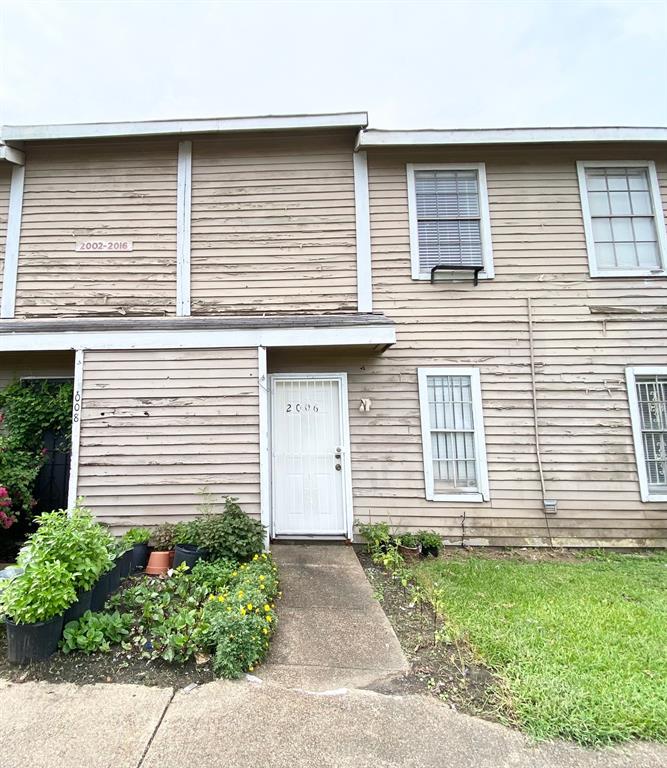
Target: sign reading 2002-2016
[[102, 244]]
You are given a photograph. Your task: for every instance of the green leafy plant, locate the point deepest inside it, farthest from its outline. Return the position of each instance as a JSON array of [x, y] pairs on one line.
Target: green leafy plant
[[214, 576], [137, 536], [376, 535], [28, 409], [74, 539], [96, 632], [408, 540], [162, 537], [188, 532], [232, 535], [429, 540], [44, 591]]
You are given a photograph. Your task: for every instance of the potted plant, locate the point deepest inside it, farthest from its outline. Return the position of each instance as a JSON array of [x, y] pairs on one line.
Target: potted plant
[[161, 558], [33, 604], [187, 537], [138, 539], [431, 543], [408, 546], [79, 543]]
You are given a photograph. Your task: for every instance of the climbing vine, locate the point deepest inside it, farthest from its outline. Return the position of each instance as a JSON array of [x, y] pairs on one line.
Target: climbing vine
[[27, 411]]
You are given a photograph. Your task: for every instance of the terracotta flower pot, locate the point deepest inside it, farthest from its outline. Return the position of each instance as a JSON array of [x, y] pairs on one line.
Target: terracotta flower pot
[[159, 562], [410, 554]]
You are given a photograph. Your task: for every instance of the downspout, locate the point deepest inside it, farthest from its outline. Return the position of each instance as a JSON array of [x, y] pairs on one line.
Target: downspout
[[547, 504]]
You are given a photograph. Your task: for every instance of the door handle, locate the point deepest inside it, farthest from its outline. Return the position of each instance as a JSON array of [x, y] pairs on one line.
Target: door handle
[[338, 467]]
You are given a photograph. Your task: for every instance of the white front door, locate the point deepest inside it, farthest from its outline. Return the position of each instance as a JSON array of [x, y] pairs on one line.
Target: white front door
[[310, 463]]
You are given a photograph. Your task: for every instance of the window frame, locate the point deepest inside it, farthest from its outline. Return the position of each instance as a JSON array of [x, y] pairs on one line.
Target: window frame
[[481, 493], [484, 215], [658, 217], [631, 375]]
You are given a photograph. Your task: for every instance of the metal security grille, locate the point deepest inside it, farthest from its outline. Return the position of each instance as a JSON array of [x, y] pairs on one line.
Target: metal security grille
[[652, 398], [448, 218], [452, 433], [622, 218]]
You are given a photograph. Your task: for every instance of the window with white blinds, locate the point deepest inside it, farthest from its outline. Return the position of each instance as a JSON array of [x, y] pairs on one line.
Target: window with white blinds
[[449, 218], [453, 434], [647, 390], [623, 218]]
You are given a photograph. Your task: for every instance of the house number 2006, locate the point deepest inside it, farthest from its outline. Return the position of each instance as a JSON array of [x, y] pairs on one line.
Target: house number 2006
[[301, 408]]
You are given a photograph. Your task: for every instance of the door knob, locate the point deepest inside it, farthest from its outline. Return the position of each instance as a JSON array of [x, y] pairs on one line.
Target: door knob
[[338, 467]]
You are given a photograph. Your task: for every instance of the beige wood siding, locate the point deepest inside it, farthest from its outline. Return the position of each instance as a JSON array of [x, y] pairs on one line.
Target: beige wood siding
[[273, 227], [157, 426], [15, 365], [5, 178], [123, 190], [584, 421]]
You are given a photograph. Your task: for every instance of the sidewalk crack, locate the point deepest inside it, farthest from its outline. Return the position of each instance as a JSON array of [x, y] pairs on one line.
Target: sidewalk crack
[[157, 727]]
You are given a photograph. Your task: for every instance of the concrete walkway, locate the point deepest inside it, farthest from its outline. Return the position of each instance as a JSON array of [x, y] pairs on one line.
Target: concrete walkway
[[307, 706]]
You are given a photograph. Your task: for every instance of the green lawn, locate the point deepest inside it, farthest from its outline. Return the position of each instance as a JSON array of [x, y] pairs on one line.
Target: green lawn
[[581, 646]]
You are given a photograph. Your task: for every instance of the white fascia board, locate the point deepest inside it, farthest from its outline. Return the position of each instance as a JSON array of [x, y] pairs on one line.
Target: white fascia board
[[379, 138], [166, 127], [12, 155], [260, 337]]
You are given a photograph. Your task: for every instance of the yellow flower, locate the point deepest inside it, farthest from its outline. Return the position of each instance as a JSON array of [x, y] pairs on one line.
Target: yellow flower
[[264, 556], [211, 597], [221, 598], [256, 557], [228, 609], [240, 594], [250, 606], [233, 573], [261, 578], [242, 611], [265, 630], [251, 669], [261, 586], [268, 618], [267, 607]]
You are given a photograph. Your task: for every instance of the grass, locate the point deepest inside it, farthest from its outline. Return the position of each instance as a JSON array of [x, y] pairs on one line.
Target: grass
[[581, 645]]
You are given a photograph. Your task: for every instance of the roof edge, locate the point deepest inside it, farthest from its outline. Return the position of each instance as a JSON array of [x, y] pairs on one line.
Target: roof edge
[[385, 138], [358, 120]]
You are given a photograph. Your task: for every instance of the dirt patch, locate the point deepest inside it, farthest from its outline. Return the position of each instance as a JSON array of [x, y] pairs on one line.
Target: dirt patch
[[438, 668], [117, 666]]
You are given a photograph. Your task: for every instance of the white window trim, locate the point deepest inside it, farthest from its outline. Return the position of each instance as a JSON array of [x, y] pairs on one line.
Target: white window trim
[[656, 200], [482, 492], [635, 417], [485, 219]]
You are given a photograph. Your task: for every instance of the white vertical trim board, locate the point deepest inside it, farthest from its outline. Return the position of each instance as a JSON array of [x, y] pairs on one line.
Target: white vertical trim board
[[183, 228], [264, 446], [12, 241], [481, 493], [658, 217], [635, 418], [363, 233], [77, 400], [484, 214]]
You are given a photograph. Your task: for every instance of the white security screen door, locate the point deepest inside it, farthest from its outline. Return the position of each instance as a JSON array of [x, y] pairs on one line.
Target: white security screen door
[[309, 453]]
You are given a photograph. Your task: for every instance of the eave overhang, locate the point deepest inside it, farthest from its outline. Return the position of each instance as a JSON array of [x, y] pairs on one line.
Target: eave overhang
[[373, 331]]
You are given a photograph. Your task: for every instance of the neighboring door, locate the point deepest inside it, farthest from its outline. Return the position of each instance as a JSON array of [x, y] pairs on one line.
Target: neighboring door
[[310, 461]]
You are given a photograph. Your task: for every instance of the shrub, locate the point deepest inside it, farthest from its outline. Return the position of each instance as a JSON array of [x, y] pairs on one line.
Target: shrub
[[408, 540], [374, 534], [28, 410], [214, 576], [73, 539], [137, 536], [95, 632], [232, 535], [44, 591], [162, 537]]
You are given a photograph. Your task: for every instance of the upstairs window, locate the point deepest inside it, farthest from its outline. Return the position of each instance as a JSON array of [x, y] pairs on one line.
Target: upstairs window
[[647, 394], [449, 218], [453, 434], [623, 218]]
